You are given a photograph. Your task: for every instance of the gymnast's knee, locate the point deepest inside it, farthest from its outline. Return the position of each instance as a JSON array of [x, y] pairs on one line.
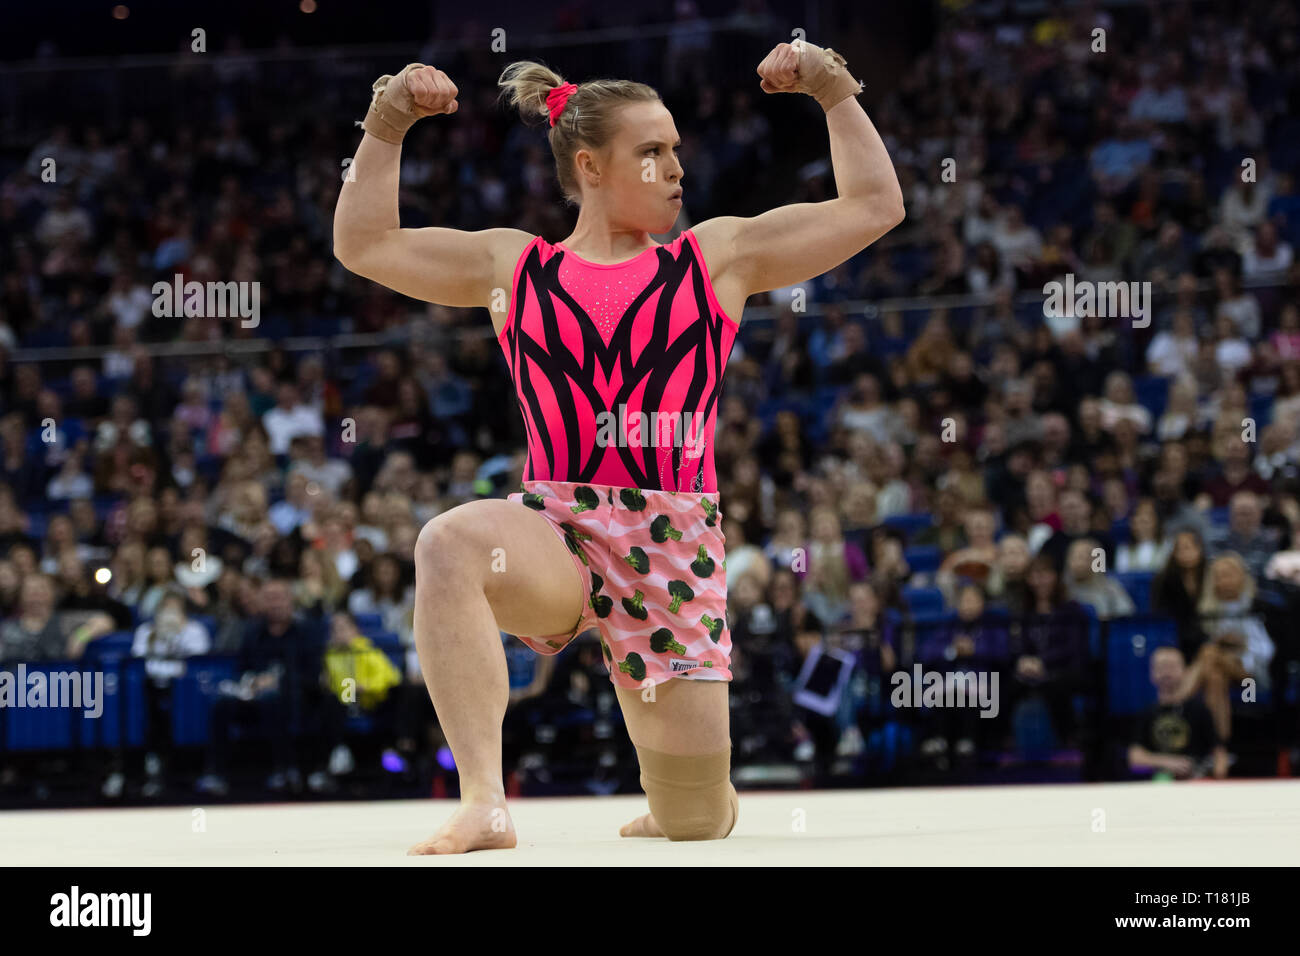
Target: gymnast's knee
[[691, 797]]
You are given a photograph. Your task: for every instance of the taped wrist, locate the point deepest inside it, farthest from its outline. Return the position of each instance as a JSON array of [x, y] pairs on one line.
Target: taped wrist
[[825, 76], [392, 107]]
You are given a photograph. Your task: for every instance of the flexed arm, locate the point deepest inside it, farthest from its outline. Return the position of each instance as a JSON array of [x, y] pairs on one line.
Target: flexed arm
[[794, 243], [448, 266]]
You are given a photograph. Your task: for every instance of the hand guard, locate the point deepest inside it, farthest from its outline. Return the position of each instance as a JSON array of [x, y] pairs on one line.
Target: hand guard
[[824, 75], [392, 107]]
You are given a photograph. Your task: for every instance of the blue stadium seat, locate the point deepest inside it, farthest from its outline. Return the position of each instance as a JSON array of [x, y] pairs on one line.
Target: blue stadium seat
[[1138, 586], [116, 644], [1261, 409], [194, 694], [39, 728], [123, 721], [390, 644], [909, 524], [1128, 662], [923, 559], [921, 600], [1152, 393]]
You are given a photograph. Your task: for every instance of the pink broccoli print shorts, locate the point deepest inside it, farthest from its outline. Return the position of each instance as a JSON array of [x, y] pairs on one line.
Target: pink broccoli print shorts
[[652, 564]]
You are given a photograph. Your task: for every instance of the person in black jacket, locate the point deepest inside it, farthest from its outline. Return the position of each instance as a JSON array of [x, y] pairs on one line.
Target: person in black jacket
[[1176, 589], [1049, 649], [280, 658]]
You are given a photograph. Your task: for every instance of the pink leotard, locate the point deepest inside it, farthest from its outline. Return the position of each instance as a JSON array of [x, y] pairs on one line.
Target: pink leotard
[[591, 345]]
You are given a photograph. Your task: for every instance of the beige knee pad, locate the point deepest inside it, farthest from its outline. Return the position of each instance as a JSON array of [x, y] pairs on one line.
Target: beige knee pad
[[691, 798]]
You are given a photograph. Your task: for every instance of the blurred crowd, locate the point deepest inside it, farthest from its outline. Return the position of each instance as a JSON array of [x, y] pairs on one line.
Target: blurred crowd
[[1007, 465]]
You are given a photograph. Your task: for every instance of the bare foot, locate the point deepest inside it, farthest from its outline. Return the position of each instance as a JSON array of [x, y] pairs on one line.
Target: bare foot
[[475, 826], [641, 827]]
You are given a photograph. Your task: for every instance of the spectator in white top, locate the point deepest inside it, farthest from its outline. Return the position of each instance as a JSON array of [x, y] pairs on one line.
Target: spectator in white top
[[1181, 412], [289, 419], [1146, 549], [296, 508], [63, 220], [128, 301], [168, 638], [1236, 303], [1242, 208], [1267, 258], [1019, 243], [1173, 351], [308, 457], [863, 410], [1231, 351], [1119, 401]]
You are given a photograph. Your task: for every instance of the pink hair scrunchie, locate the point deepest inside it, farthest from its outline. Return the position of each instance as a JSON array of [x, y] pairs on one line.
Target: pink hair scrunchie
[[556, 99]]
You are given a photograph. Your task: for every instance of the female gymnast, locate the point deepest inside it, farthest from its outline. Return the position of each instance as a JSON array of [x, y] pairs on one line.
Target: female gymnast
[[616, 345]]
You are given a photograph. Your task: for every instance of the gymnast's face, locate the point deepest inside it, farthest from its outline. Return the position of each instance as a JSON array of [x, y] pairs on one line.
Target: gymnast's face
[[641, 168]]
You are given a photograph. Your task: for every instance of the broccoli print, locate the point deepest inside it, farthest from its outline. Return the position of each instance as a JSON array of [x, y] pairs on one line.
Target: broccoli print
[[635, 606], [571, 537], [639, 561], [632, 499], [662, 641], [587, 500], [661, 529], [680, 591], [703, 564], [600, 603], [634, 666], [605, 647], [536, 502], [555, 644], [714, 627], [710, 511]]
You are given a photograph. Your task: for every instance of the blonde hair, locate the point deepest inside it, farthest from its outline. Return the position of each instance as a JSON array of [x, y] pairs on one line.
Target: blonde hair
[[589, 118], [1210, 602]]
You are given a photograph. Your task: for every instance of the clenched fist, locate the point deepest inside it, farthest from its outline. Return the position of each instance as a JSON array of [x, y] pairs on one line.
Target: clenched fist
[[399, 101], [780, 69], [432, 91], [802, 67]]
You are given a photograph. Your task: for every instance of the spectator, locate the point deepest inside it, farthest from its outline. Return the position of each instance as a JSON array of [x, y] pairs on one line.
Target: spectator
[[1175, 736], [1146, 549], [1177, 588], [1172, 352], [280, 660], [164, 643], [1267, 258], [833, 563], [388, 595], [1246, 534], [1048, 646], [290, 418], [1237, 646], [1087, 582]]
